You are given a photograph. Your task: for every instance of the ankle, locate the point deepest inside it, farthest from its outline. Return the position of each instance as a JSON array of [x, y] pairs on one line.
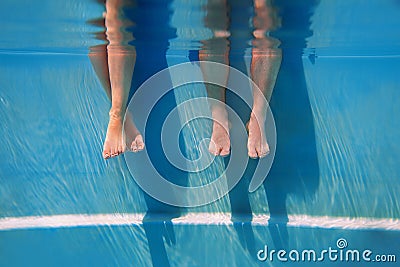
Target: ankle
[[116, 114], [219, 112], [258, 115], [256, 120]]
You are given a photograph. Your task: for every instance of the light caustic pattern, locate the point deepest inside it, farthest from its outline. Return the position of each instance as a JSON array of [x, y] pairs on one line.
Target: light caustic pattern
[[150, 179]]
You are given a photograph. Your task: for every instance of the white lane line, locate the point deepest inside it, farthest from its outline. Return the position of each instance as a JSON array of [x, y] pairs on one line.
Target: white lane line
[[69, 220], [125, 219]]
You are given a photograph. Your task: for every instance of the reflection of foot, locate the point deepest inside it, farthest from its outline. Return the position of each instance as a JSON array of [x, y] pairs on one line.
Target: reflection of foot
[[220, 143], [114, 143], [257, 145], [134, 139]]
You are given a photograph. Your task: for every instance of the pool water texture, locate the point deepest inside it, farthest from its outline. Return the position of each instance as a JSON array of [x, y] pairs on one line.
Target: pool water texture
[[334, 182]]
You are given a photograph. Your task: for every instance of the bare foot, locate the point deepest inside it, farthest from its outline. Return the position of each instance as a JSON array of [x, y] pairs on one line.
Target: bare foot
[[257, 145], [114, 143], [220, 143], [134, 139]]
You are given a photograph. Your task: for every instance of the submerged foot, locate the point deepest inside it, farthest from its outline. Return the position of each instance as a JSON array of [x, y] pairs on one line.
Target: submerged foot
[[117, 141], [114, 144], [257, 145], [134, 139], [220, 143]]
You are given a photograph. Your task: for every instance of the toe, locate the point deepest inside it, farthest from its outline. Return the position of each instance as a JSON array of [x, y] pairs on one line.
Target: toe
[[114, 152], [106, 151], [134, 147], [252, 151], [139, 143], [258, 151], [264, 151], [121, 149], [218, 151], [215, 151], [212, 148], [253, 154], [224, 152], [140, 146]]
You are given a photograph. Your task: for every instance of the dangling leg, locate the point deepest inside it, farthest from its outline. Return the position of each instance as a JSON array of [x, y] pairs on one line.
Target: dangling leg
[[265, 63], [114, 66], [216, 49]]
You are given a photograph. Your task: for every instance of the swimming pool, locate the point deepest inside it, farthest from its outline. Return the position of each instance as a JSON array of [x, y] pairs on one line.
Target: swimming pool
[[336, 167]]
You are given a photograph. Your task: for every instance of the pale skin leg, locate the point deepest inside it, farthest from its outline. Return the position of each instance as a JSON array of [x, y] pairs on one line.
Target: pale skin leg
[[220, 141], [216, 49], [265, 64], [114, 66]]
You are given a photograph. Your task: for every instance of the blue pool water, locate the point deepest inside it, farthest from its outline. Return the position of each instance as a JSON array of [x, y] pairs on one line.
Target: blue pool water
[[335, 173]]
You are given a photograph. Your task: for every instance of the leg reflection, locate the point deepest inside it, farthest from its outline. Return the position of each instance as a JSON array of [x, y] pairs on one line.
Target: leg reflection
[[114, 66]]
